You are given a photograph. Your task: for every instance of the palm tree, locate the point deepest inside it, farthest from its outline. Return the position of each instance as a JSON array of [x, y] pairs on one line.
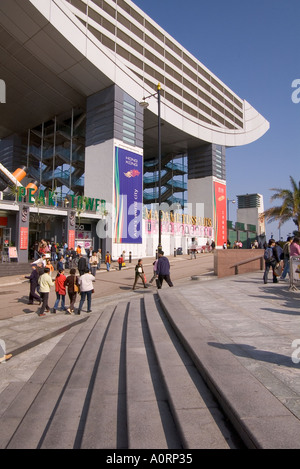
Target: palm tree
[[290, 208]]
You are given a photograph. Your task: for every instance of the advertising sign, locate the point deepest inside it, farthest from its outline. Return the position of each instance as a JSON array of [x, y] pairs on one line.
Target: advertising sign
[[128, 194], [220, 213], [23, 237]]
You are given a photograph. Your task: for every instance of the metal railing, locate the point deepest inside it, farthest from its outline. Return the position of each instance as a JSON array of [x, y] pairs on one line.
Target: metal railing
[[247, 261]]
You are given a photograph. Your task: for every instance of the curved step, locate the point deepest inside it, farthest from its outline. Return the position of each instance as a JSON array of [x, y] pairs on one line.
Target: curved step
[[193, 409]]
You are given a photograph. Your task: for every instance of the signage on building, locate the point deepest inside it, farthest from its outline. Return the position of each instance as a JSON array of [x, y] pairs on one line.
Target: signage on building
[[76, 202], [128, 195], [220, 213], [24, 237]]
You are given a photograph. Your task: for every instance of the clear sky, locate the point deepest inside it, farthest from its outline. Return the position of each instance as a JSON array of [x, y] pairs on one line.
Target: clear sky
[[254, 48]]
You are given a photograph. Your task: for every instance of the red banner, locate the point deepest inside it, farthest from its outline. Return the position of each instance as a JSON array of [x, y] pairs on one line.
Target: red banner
[[220, 213], [23, 237], [71, 239]]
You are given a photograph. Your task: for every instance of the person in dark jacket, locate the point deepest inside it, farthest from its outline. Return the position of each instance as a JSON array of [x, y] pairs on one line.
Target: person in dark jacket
[[139, 273], [72, 285], [163, 270], [271, 261], [34, 280], [82, 264]]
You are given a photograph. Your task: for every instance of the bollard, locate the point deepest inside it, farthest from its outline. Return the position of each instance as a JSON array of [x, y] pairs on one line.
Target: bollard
[[174, 252], [129, 257]]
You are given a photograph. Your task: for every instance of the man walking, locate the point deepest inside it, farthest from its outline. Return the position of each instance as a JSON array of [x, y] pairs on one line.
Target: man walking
[[34, 280], [82, 264], [163, 270]]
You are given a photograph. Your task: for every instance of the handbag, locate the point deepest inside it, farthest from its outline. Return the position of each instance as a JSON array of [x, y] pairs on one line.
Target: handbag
[[278, 270], [76, 288]]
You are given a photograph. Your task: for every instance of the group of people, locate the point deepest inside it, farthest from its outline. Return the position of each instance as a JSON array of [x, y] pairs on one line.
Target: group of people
[[41, 282], [161, 272], [278, 258]]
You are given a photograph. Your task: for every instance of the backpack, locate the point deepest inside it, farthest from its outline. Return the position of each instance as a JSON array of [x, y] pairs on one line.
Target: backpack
[[268, 255]]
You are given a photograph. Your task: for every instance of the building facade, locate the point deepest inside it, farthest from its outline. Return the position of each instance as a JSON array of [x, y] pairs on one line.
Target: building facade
[[92, 159]]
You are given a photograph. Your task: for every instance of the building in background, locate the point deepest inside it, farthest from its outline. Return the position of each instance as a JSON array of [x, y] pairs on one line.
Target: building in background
[[250, 224], [75, 73]]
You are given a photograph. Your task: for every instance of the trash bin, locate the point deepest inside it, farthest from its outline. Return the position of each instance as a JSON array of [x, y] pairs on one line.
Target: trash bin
[[179, 251]]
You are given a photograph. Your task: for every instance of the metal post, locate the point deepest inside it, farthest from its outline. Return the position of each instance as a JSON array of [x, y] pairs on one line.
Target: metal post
[[159, 169]]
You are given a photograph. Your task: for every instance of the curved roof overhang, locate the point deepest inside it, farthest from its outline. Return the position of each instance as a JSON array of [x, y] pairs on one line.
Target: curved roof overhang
[[51, 64]]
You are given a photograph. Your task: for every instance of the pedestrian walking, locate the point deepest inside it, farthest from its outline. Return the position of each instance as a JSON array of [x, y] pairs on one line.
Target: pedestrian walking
[[86, 289], [53, 252], [107, 261], [99, 255], [271, 260], [93, 263], [60, 290], [82, 264], [295, 247], [286, 258], [45, 283], [34, 281], [72, 286], [163, 270], [139, 274], [49, 265], [120, 262], [61, 263]]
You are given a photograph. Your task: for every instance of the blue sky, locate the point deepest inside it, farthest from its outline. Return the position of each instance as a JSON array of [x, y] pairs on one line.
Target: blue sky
[[254, 48]]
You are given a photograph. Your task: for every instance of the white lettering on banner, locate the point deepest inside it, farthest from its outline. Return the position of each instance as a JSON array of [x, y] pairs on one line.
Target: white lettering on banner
[[131, 161]]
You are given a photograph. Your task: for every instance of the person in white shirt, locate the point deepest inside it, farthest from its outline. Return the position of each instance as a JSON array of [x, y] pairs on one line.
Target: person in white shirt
[[86, 289]]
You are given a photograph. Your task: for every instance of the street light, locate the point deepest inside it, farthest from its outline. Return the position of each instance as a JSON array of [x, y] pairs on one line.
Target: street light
[[228, 201], [144, 104]]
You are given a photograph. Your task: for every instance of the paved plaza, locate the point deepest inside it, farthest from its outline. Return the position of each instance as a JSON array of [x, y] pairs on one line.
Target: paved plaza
[[247, 332]]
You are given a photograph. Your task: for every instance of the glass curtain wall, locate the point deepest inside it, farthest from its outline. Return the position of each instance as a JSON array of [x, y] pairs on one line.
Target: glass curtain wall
[[173, 181], [55, 155]]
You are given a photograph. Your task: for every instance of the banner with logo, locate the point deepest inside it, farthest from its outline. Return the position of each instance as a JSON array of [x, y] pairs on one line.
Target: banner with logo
[[128, 195]]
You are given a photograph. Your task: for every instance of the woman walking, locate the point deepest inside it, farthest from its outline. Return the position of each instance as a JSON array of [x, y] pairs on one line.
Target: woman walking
[[60, 290], [72, 285]]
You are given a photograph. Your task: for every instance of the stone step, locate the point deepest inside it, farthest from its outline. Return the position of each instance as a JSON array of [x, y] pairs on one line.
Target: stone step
[[105, 427], [149, 422], [34, 405], [260, 419], [8, 269], [120, 380], [194, 410]]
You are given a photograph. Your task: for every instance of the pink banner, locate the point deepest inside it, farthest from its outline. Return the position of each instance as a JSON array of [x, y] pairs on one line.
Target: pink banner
[[220, 213]]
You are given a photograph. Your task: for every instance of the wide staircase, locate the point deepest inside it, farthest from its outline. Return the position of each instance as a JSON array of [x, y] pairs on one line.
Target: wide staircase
[[119, 380], [142, 374]]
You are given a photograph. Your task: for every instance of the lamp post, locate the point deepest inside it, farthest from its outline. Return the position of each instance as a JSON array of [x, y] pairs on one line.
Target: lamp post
[[228, 202], [144, 105]]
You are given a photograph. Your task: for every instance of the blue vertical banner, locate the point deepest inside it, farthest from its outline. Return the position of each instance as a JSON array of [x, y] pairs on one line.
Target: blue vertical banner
[[128, 193]]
